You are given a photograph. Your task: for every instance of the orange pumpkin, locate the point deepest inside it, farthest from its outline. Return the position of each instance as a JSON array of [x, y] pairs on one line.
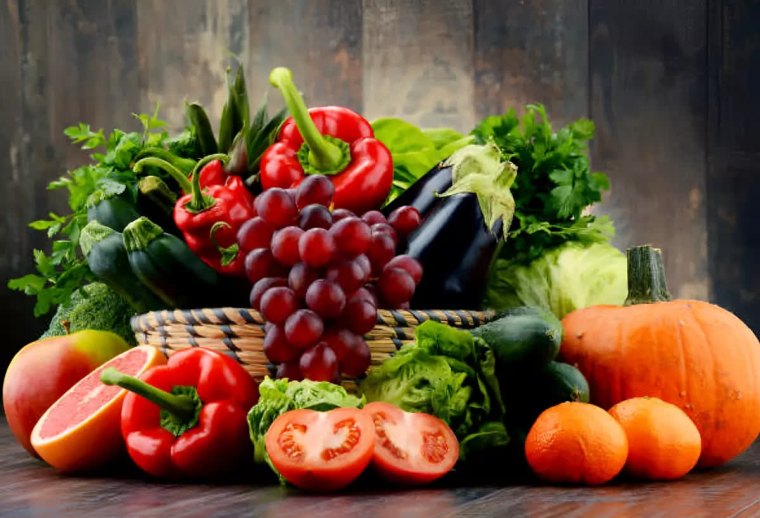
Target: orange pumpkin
[[693, 354]]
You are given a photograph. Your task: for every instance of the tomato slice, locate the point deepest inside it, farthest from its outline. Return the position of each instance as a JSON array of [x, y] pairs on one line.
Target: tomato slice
[[322, 451], [411, 448]]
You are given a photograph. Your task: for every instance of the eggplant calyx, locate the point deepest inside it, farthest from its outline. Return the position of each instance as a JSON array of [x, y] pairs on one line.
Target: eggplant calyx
[[480, 170]]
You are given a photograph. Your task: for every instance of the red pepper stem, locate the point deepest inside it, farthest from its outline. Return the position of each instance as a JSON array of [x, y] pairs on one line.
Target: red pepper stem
[[175, 173], [199, 203], [323, 154], [183, 407]]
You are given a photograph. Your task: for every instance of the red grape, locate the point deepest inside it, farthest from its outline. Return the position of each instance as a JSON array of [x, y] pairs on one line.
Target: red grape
[[338, 340], [352, 236], [277, 207], [396, 286], [405, 220], [347, 274], [363, 294], [254, 233], [363, 261], [356, 357], [316, 247], [303, 328], [260, 263], [319, 363], [277, 348], [278, 303], [374, 216], [300, 278], [325, 298], [261, 286], [290, 370], [285, 245], [385, 228], [359, 316], [314, 216], [408, 263], [315, 189], [381, 250], [339, 214]]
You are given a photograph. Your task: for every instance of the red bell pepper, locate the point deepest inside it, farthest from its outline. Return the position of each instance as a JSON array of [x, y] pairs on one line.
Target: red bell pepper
[[187, 419], [210, 215], [332, 141]]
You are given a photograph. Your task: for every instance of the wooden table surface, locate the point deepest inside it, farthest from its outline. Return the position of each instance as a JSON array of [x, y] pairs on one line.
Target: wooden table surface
[[30, 488]]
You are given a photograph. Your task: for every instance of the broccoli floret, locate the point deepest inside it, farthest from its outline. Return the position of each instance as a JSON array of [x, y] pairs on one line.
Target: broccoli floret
[[98, 308]]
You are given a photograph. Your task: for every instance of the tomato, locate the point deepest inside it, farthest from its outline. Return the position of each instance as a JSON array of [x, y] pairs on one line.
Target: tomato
[[321, 450], [411, 448]]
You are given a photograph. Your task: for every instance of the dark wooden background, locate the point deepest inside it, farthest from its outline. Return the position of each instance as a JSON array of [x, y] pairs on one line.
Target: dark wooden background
[[673, 86]]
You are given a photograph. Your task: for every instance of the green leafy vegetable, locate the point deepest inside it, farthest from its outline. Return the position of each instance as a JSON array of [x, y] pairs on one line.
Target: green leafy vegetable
[[450, 374], [415, 151], [569, 277], [279, 396], [63, 270], [554, 183]]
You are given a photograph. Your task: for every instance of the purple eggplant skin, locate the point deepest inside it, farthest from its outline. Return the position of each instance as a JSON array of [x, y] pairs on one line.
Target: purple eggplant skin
[[455, 250], [422, 193]]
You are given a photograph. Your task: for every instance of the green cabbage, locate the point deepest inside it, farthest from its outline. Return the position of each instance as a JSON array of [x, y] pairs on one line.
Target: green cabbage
[[569, 277]]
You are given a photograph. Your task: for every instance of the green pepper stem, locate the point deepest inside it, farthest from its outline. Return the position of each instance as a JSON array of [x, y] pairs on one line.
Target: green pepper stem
[[646, 276], [162, 164], [183, 407], [323, 154], [199, 203]]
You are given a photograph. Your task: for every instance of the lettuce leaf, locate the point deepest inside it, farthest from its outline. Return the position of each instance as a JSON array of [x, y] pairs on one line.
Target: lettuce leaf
[[450, 374]]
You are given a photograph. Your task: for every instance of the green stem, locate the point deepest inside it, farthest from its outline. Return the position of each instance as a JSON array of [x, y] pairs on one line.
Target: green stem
[[175, 173], [199, 203], [183, 164], [140, 233], [182, 407], [646, 276], [323, 154]]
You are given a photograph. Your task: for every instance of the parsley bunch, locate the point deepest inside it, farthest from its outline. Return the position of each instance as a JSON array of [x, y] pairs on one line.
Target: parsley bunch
[[554, 183], [64, 270]]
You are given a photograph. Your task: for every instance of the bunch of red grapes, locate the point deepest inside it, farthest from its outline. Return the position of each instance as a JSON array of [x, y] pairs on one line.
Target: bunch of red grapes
[[318, 277]]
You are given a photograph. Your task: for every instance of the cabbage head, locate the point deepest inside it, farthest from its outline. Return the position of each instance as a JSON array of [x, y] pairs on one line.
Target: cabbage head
[[571, 276]]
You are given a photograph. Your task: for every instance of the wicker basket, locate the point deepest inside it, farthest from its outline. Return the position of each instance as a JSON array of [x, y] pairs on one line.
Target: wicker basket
[[239, 332]]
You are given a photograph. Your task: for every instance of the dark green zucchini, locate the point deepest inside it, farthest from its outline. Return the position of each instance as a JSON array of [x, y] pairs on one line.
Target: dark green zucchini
[[155, 201], [166, 265], [522, 337], [104, 250], [115, 211]]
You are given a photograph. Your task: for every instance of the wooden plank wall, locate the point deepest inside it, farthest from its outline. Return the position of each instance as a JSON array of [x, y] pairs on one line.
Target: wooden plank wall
[[671, 84]]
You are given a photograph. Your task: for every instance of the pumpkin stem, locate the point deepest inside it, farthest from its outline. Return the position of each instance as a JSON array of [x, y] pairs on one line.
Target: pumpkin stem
[[646, 276]]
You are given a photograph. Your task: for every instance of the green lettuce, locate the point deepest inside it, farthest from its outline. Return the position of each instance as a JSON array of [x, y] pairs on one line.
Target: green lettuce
[[565, 278], [450, 374], [279, 396]]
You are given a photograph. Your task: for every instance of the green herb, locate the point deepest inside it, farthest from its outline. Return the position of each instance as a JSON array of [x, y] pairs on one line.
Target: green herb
[[63, 270], [554, 183], [415, 151]]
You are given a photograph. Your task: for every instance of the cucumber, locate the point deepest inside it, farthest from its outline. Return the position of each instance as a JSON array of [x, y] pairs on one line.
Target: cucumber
[[522, 337]]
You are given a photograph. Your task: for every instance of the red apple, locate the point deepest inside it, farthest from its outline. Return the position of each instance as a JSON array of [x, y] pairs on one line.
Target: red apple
[[42, 371]]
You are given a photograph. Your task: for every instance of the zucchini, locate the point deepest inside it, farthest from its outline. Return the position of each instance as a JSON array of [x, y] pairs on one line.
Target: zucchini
[[104, 250], [155, 201], [115, 211], [166, 265], [522, 337]]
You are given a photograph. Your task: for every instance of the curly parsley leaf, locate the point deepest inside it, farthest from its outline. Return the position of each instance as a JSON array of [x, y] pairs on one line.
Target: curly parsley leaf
[[554, 183]]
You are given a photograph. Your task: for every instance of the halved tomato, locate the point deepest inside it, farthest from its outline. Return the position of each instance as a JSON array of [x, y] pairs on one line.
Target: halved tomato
[[322, 451], [411, 448]]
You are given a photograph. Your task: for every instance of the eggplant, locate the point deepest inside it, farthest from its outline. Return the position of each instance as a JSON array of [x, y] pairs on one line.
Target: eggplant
[[455, 248], [423, 193], [461, 226]]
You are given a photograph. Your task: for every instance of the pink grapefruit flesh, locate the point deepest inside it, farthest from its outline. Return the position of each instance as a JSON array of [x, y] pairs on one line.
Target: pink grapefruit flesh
[[81, 431]]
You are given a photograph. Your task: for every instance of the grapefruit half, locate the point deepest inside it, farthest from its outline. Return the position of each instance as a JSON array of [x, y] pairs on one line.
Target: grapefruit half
[[81, 431]]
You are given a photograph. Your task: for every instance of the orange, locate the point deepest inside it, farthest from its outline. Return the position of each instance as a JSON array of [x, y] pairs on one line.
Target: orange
[[81, 431], [576, 443], [663, 442]]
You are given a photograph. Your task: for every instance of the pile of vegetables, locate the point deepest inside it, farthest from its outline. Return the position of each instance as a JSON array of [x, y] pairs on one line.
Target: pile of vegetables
[[316, 218]]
